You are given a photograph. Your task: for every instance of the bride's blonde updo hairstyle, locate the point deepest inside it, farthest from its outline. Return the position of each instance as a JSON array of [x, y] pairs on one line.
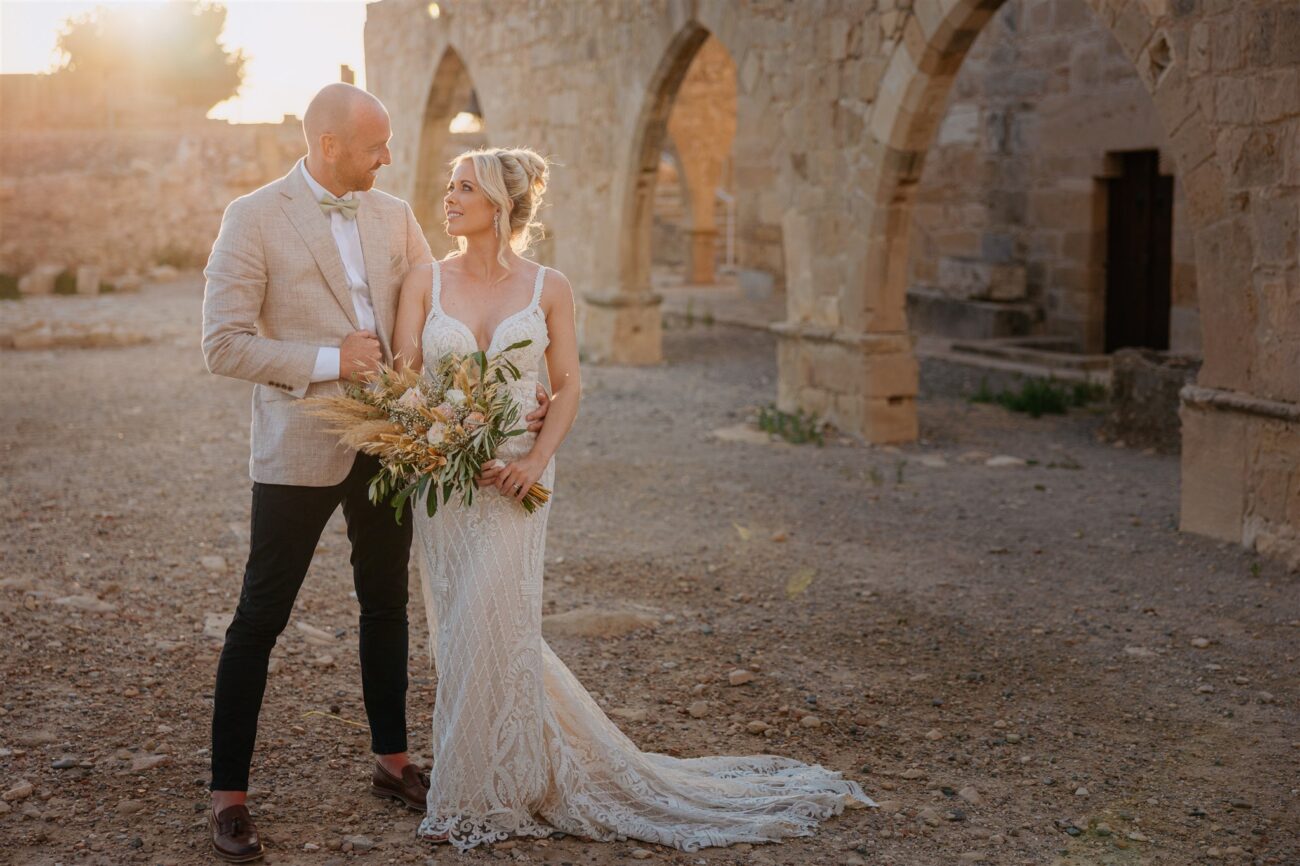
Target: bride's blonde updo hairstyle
[[514, 180]]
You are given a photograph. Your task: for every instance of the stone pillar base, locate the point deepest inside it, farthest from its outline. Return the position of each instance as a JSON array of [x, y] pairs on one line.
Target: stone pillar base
[[864, 384], [622, 328], [703, 248], [1240, 478]]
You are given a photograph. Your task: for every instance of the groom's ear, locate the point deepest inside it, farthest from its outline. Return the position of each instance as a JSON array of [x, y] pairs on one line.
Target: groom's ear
[[329, 145]]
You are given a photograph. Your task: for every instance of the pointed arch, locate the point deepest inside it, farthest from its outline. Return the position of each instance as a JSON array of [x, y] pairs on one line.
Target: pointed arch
[[451, 93]]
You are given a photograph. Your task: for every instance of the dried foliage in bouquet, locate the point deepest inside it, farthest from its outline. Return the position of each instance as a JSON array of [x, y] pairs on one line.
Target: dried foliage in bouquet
[[433, 433]]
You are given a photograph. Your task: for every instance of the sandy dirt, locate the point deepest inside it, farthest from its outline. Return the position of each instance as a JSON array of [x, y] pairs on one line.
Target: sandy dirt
[[1025, 664]]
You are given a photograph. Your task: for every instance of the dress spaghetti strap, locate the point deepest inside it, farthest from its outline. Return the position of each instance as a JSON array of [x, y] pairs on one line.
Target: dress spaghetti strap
[[435, 290]]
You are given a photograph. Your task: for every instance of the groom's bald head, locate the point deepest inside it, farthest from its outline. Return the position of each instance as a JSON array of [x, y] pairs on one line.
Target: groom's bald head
[[337, 109], [347, 132]]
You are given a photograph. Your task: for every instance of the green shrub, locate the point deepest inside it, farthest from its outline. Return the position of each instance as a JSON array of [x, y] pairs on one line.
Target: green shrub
[[984, 394], [65, 283], [797, 428], [1088, 392], [9, 288], [1038, 397]]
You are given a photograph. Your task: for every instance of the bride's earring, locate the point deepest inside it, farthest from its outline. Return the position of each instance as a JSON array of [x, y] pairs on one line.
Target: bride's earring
[[496, 225]]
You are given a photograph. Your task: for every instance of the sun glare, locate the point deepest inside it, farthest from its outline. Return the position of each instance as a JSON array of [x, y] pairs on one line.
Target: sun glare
[[465, 122], [281, 74]]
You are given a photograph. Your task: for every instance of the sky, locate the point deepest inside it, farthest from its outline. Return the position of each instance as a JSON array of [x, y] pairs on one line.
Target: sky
[[294, 47]]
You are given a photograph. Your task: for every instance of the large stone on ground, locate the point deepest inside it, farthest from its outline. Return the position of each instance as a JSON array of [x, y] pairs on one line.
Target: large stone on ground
[[597, 622], [1144, 400]]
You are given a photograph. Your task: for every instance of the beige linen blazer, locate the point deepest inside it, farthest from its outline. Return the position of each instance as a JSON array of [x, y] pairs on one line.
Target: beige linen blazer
[[276, 292]]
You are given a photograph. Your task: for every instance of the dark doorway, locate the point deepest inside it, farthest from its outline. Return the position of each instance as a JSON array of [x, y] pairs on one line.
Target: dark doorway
[[1139, 250]]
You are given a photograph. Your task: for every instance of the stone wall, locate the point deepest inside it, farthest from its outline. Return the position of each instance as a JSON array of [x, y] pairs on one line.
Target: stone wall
[[1008, 226], [126, 199], [837, 102]]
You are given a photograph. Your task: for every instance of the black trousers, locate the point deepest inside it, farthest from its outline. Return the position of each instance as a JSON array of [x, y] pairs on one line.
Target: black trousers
[[287, 523]]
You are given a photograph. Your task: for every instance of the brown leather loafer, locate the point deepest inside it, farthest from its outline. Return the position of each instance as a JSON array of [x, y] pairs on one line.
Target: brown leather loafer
[[234, 836], [412, 789]]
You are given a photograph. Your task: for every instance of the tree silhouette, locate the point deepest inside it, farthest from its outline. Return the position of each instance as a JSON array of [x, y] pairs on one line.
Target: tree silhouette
[[167, 48]]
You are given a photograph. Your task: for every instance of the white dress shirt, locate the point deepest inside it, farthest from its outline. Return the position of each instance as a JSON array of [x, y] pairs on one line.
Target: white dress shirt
[[348, 240]]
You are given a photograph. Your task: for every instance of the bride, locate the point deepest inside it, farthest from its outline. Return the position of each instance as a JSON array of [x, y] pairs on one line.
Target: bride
[[519, 746]]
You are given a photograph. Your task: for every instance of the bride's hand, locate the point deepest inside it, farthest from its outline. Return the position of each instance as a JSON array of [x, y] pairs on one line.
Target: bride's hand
[[518, 477]]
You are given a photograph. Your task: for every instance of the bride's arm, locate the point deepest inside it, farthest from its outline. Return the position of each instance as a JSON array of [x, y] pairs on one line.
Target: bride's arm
[[566, 386], [412, 311]]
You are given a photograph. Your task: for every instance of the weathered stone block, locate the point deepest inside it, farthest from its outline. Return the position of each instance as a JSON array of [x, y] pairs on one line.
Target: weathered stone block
[[87, 280], [981, 280], [1276, 94], [1144, 398], [1277, 227], [1213, 491], [40, 281]]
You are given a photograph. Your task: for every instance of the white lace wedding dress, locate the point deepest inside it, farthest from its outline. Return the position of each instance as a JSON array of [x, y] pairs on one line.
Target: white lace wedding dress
[[519, 746]]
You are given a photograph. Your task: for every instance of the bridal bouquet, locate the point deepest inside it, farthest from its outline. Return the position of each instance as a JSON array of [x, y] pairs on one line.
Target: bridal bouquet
[[432, 434]]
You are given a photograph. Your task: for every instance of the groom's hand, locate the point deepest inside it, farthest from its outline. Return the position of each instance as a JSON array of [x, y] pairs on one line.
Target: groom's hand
[[539, 414], [359, 354]]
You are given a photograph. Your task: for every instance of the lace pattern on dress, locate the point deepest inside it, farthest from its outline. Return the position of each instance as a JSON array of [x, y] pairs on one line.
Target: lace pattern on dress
[[520, 748]]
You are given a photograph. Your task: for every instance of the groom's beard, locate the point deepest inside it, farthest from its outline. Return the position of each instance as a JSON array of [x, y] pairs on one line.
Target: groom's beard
[[365, 180]]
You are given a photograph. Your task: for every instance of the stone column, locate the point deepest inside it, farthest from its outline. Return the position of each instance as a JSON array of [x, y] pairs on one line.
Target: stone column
[[703, 243], [866, 383], [622, 328]]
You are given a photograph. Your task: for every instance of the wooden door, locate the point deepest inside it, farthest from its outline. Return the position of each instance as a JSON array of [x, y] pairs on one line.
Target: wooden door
[[1139, 241]]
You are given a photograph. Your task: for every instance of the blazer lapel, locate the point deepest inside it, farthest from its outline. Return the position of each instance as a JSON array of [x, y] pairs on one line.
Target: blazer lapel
[[370, 226], [302, 209]]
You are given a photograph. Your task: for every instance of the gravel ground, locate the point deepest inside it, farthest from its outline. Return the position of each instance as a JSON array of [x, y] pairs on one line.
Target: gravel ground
[[1025, 664]]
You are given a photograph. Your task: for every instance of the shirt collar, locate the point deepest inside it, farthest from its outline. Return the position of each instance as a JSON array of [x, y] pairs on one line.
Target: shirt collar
[[316, 189]]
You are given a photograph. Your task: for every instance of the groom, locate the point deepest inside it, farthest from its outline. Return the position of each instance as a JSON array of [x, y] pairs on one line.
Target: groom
[[302, 291]]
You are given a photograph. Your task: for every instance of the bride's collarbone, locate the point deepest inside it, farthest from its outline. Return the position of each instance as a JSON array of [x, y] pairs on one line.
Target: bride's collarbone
[[483, 308]]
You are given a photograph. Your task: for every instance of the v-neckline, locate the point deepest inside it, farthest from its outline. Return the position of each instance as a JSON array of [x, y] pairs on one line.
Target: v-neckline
[[492, 339]]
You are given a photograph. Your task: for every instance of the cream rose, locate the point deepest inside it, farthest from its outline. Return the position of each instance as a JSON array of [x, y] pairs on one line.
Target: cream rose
[[437, 433], [412, 399], [456, 397]]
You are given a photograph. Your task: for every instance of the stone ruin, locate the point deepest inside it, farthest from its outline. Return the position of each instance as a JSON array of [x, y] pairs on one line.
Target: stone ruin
[[866, 180]]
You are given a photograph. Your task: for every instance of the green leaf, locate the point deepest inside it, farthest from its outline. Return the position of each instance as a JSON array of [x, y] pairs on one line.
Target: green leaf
[[799, 582], [399, 501]]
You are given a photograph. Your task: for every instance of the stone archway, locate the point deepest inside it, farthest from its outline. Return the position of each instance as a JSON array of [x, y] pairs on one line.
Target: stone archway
[[702, 126], [623, 326], [1228, 486], [863, 373], [448, 127]]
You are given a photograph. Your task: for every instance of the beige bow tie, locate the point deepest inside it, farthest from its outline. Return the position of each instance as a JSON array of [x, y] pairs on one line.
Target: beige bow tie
[[347, 207]]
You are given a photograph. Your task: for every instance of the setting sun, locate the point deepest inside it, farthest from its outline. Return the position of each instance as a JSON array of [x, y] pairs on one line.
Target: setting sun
[[293, 46]]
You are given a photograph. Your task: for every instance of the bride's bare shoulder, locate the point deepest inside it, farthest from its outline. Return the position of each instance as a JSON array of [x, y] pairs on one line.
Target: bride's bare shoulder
[[557, 291], [417, 284], [556, 288]]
